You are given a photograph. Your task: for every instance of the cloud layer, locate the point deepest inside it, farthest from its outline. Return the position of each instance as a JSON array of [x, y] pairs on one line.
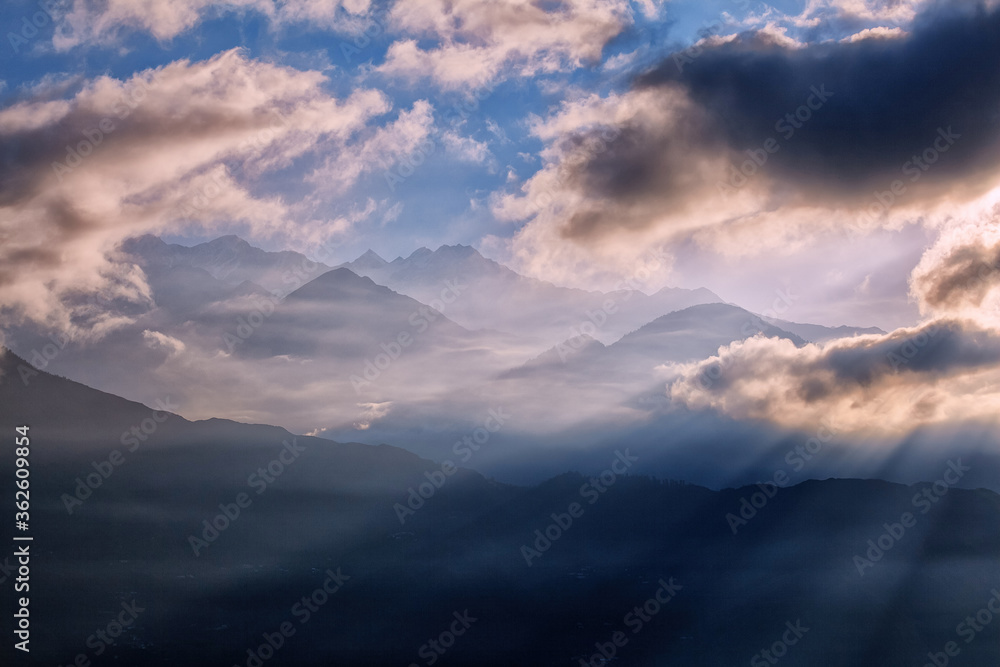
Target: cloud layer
[[88, 22], [752, 143], [889, 384], [478, 41], [183, 146]]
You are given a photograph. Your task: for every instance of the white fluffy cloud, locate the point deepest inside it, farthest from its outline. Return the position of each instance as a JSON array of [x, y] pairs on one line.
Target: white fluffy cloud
[[947, 371], [384, 147], [465, 148], [104, 21], [890, 12], [746, 159], [625, 172], [183, 146], [959, 276], [480, 41], [944, 371]]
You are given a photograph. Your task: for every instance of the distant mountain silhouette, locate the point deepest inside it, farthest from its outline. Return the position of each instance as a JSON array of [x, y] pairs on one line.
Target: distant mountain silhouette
[[816, 333], [230, 260], [684, 335], [542, 575], [347, 317], [495, 297]]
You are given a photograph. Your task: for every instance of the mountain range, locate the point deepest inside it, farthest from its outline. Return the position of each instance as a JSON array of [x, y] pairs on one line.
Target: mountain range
[[486, 294], [523, 566], [534, 464], [231, 330], [419, 348]]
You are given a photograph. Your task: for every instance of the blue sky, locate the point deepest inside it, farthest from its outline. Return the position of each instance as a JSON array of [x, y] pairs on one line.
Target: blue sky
[[458, 118]]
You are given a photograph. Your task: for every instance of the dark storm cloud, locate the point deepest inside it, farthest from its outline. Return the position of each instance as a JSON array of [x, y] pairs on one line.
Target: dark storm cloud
[[876, 104], [934, 350], [889, 98], [643, 161], [938, 348]]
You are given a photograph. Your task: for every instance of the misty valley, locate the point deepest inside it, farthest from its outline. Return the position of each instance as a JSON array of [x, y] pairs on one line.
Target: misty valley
[[466, 540]]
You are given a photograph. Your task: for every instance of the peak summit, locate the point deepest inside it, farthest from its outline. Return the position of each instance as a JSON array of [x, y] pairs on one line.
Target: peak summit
[[370, 258], [459, 249], [229, 240], [146, 242]]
